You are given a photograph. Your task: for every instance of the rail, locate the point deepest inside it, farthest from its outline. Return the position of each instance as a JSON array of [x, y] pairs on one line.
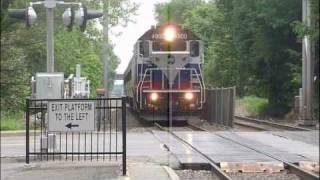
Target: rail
[[222, 175], [303, 174], [272, 124]]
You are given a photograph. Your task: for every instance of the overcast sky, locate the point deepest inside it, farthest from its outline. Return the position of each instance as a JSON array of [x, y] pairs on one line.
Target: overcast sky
[[124, 43]]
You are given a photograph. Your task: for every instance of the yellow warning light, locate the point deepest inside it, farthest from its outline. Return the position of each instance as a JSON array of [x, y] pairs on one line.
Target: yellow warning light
[[154, 97], [188, 96], [169, 33]]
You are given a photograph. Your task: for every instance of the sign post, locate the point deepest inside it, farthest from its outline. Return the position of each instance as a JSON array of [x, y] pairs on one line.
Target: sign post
[[71, 116]]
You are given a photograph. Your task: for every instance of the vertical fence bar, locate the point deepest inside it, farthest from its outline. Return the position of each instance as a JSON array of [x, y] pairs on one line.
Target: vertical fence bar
[[124, 137], [225, 106], [228, 106], [116, 129], [110, 124], [85, 145], [233, 104], [79, 146], [34, 130], [27, 131], [72, 146], [60, 147], [104, 127], [41, 128], [213, 99], [216, 103], [66, 145], [221, 106]]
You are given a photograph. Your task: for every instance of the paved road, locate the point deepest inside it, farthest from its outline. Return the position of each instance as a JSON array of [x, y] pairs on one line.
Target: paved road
[[146, 153]]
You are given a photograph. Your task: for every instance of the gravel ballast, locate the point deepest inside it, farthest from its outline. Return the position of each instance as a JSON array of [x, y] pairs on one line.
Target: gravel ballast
[[196, 175]]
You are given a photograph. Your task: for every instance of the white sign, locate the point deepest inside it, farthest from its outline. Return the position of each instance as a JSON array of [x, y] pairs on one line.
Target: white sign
[[177, 36], [71, 116]]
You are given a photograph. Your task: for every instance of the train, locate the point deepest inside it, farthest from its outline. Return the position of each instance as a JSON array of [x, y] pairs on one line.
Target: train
[[164, 75]]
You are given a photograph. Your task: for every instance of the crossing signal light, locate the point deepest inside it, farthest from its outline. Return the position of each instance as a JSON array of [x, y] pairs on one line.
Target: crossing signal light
[[68, 18], [29, 15], [82, 15]]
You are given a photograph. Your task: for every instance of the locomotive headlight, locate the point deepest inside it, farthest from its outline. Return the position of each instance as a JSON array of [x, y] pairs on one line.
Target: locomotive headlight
[[169, 34], [154, 96], [188, 96]]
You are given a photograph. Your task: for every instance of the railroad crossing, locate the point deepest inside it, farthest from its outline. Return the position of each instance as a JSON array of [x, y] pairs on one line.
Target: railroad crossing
[[232, 151]]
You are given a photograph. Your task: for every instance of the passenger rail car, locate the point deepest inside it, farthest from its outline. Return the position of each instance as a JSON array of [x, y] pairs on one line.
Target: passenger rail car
[[166, 65]]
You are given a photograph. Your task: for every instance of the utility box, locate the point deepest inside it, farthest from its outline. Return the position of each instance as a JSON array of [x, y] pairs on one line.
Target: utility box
[[49, 86], [77, 86]]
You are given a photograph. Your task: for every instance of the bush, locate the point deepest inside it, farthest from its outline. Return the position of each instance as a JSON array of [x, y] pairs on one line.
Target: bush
[[255, 106], [12, 121]]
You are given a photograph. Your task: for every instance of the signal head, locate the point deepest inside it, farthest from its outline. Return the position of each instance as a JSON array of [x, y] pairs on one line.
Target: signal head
[[29, 15], [68, 18], [82, 15]]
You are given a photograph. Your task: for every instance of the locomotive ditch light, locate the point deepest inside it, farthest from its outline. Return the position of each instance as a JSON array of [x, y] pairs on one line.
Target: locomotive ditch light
[[169, 33], [154, 96], [29, 15], [188, 96]]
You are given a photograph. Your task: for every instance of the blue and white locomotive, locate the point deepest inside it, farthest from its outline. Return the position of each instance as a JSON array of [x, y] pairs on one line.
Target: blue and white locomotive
[[166, 67]]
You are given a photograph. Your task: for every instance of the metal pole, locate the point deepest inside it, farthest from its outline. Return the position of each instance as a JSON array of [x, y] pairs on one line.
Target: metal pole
[[50, 39], [307, 69], [124, 137], [106, 48], [27, 132]]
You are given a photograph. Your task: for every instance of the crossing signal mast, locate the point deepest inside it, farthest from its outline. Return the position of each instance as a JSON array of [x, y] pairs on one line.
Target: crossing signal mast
[[50, 85], [80, 16]]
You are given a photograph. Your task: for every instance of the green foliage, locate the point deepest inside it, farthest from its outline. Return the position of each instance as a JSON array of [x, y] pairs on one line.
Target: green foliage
[[23, 50], [255, 106], [12, 121], [175, 10], [249, 44]]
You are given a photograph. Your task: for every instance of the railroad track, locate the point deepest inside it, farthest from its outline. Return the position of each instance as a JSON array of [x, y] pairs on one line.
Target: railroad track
[[214, 168], [292, 168], [265, 125]]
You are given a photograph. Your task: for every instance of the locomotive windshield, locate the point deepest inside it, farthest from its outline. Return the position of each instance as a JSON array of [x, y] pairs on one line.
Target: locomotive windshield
[[177, 45]]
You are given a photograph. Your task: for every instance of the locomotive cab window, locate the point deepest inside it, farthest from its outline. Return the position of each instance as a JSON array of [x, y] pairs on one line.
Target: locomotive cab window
[[169, 46], [144, 48], [194, 48]]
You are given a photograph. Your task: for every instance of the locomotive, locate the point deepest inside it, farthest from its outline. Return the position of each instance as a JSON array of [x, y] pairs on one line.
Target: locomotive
[[165, 73]]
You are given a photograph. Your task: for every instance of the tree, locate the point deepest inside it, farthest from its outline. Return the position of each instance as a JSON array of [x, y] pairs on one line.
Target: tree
[[175, 10], [23, 51], [250, 44]]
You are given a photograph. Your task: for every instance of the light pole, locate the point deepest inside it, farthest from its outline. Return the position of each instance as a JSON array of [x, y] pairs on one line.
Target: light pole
[[307, 70], [80, 17], [105, 48]]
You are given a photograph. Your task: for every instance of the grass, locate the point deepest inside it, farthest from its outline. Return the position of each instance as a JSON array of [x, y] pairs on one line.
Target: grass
[[255, 106], [12, 121]]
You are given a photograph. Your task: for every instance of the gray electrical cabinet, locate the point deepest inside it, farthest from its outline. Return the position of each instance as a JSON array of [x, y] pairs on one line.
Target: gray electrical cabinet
[[49, 85]]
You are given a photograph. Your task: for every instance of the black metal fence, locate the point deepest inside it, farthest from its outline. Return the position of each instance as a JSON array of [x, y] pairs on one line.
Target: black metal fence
[[106, 141], [219, 106]]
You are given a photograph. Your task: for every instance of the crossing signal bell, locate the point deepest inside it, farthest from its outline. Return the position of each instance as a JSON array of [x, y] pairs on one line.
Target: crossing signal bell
[[29, 15]]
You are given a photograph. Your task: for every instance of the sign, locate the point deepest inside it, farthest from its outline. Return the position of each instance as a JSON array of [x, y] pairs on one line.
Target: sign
[[71, 116], [182, 36]]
